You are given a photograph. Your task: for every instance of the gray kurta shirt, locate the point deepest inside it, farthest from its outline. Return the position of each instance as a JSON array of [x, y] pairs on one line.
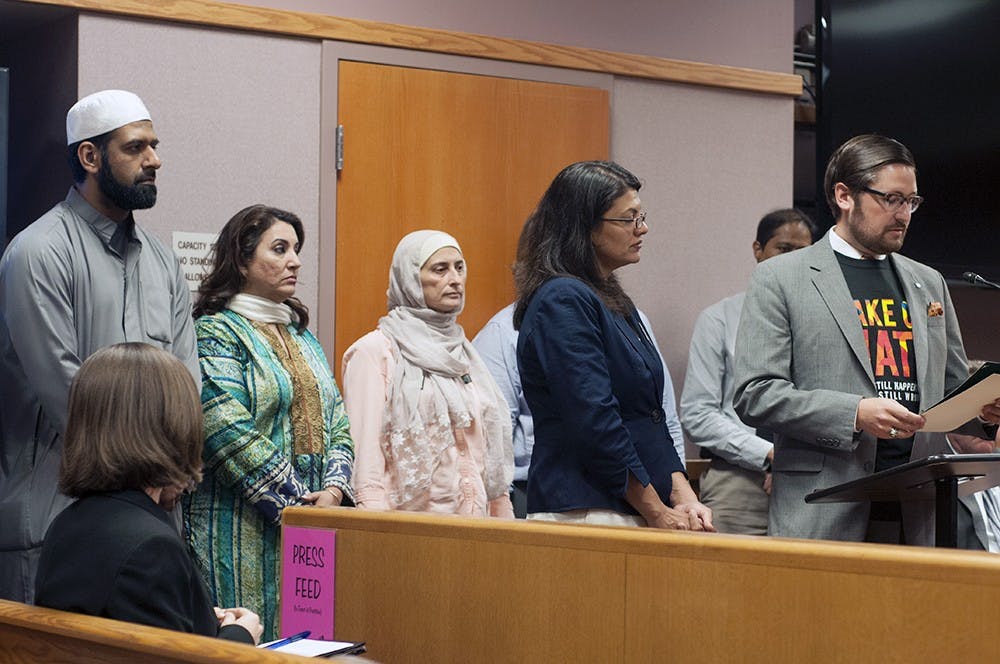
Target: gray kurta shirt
[[66, 292]]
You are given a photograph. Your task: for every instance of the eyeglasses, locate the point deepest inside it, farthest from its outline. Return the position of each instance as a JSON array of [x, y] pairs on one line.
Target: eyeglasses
[[639, 220], [892, 202]]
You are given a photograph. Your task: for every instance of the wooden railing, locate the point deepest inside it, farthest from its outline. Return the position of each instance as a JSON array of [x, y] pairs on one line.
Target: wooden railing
[[35, 634], [446, 589]]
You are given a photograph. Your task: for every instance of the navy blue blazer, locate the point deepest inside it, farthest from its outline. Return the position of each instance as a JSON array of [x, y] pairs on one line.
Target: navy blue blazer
[[594, 383]]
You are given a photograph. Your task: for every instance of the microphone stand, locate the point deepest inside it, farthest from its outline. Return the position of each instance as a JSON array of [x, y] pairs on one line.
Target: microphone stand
[[977, 280]]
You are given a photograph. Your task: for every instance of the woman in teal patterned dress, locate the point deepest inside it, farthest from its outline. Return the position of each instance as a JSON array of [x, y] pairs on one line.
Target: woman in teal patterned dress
[[276, 433]]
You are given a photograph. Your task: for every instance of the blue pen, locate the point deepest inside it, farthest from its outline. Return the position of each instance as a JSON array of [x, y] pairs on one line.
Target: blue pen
[[291, 639]]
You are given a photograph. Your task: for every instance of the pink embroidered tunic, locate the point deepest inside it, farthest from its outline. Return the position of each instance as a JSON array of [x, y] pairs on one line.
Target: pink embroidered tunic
[[456, 485]]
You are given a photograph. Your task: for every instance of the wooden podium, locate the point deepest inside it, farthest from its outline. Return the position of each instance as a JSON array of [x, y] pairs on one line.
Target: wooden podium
[[942, 478]]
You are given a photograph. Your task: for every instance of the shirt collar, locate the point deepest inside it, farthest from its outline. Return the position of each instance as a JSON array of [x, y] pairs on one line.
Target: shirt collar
[[103, 226], [140, 499], [841, 246]]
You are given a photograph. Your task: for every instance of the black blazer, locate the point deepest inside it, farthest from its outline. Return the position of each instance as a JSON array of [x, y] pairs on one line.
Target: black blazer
[[594, 383], [118, 555]]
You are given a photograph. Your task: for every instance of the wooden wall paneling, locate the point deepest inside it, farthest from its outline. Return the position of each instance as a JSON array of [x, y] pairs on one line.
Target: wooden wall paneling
[[685, 596], [774, 612], [454, 601]]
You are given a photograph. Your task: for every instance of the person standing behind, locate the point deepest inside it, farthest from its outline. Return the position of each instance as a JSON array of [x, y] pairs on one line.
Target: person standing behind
[[431, 425], [589, 370], [737, 482], [986, 515], [276, 433], [497, 345], [982, 507], [841, 344], [81, 277]]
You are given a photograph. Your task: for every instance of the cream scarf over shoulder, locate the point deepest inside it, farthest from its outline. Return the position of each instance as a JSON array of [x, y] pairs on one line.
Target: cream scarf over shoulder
[[434, 357]]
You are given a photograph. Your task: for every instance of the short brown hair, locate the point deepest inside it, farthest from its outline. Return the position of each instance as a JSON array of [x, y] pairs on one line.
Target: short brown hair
[[856, 163], [134, 422]]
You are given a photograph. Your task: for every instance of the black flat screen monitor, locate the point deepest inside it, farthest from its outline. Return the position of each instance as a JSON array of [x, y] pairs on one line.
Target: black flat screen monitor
[[923, 72], [4, 142]]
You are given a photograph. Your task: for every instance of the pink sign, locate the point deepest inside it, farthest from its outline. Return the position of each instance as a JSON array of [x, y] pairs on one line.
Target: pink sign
[[307, 576]]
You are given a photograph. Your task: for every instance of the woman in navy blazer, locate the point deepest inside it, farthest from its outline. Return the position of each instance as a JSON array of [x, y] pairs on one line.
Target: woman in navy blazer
[[589, 370], [133, 442]]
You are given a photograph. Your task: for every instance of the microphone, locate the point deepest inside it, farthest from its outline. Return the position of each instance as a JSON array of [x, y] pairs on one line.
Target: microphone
[[977, 280]]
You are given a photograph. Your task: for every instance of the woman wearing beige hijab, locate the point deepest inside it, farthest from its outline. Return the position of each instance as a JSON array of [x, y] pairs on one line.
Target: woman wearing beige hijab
[[430, 427]]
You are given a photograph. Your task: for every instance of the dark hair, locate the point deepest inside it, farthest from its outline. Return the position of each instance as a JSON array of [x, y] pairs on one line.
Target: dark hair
[[233, 250], [134, 422], [772, 221], [73, 159], [555, 240], [856, 163]]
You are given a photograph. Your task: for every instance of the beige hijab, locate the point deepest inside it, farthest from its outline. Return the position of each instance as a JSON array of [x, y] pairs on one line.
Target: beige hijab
[[433, 356]]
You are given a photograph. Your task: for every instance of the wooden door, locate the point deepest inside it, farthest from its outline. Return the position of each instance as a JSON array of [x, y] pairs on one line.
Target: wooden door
[[466, 154]]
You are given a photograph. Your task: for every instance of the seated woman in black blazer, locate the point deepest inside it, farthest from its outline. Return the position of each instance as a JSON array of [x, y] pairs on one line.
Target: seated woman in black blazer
[[132, 445]]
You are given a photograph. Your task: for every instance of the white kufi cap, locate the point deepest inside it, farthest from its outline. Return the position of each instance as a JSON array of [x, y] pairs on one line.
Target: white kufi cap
[[102, 112]]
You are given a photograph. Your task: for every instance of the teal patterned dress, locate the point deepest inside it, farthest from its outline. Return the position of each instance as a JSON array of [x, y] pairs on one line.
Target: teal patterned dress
[[275, 429]]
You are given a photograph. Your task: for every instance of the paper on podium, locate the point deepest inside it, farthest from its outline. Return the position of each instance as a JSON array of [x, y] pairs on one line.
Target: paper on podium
[[966, 402]]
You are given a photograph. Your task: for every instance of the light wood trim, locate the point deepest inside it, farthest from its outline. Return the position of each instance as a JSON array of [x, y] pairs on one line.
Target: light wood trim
[[523, 591], [36, 634], [319, 26], [920, 562]]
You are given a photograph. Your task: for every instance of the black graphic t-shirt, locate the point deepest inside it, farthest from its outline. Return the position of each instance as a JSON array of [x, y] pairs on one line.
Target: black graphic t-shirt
[[885, 320]]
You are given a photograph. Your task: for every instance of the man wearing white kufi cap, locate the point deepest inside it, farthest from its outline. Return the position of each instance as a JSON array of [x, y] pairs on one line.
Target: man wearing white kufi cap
[[81, 277]]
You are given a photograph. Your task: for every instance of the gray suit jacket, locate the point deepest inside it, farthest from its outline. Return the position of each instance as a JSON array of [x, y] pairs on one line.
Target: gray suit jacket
[[801, 368]]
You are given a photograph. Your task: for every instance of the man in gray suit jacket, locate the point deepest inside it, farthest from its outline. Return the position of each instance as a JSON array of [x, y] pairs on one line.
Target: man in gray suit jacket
[[841, 344]]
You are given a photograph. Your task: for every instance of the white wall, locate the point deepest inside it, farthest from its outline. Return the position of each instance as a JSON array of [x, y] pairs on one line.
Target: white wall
[[713, 162], [742, 33], [237, 115]]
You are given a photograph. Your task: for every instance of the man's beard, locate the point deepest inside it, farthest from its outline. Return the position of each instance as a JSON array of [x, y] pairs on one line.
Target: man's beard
[[873, 239], [127, 197]]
